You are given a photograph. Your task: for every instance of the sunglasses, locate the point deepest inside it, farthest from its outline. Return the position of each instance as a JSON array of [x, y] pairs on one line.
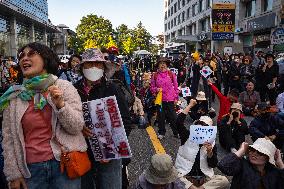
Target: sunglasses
[[252, 150], [29, 54]]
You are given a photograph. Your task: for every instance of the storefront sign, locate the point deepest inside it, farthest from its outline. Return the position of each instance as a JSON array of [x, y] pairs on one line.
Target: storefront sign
[[109, 140], [260, 23], [277, 36], [261, 38], [223, 20], [203, 36]]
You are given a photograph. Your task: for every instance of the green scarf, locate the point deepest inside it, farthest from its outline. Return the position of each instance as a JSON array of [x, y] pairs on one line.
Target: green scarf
[[31, 88]]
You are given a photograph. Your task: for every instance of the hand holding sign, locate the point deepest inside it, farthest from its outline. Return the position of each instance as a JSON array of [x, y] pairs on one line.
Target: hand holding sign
[[206, 71], [200, 134]]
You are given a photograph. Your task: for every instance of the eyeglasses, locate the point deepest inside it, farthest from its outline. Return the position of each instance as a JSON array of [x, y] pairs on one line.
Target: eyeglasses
[[252, 150], [29, 54]]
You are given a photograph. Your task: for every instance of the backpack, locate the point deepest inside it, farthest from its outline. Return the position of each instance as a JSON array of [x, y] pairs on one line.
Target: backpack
[[127, 93]]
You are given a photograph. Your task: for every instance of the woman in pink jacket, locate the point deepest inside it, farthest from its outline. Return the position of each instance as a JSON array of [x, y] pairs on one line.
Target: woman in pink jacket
[[166, 81]]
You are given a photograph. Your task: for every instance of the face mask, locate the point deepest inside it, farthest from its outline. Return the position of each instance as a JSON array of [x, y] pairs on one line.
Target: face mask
[[93, 74]]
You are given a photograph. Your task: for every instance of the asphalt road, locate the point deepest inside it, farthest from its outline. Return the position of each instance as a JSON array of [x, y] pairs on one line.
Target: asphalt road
[[142, 149]]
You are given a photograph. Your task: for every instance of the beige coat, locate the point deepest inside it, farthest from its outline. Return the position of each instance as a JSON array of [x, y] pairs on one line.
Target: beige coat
[[67, 123], [138, 107]]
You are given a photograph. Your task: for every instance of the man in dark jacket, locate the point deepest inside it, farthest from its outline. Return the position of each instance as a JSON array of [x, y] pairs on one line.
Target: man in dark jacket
[[105, 175], [232, 129], [235, 74], [266, 125]]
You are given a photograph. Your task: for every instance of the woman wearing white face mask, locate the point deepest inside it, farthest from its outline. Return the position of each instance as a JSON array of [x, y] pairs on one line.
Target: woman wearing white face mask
[[94, 85]]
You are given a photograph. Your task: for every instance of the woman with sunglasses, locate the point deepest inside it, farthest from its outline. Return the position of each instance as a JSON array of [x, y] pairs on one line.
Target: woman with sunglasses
[[262, 168], [41, 116]]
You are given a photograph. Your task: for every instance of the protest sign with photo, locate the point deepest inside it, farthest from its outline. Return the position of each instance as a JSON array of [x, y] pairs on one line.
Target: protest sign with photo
[[206, 71], [109, 139], [200, 134]]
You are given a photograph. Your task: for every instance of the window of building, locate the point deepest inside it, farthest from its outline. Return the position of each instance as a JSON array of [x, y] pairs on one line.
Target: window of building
[[193, 9], [183, 16], [179, 20], [169, 12], [165, 27], [169, 2], [203, 25], [172, 23], [175, 21], [183, 3], [175, 7], [169, 25], [172, 11], [201, 5], [165, 15], [179, 4], [208, 3], [250, 8], [188, 13], [267, 5]]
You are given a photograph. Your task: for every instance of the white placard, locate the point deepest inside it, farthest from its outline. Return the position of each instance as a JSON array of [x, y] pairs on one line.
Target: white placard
[[174, 70], [109, 141], [200, 134], [186, 92], [206, 71]]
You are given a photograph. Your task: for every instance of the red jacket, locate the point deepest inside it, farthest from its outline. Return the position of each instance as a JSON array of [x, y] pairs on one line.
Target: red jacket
[[225, 103]]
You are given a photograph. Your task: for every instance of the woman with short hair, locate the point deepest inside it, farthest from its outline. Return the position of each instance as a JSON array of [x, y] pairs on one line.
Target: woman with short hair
[[41, 115]]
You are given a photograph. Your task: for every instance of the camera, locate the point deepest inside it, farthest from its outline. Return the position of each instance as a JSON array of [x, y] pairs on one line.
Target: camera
[[235, 114]]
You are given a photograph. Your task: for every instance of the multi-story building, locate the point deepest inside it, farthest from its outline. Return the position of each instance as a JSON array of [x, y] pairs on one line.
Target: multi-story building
[[257, 19], [189, 22], [23, 21]]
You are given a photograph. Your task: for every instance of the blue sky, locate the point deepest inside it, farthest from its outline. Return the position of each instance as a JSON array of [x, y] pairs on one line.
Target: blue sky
[[129, 12]]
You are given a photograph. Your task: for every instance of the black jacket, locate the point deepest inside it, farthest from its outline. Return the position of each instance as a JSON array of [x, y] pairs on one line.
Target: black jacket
[[233, 135], [106, 89], [245, 176]]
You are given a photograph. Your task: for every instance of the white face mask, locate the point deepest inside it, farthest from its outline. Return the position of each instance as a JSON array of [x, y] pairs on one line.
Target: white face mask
[[93, 74]]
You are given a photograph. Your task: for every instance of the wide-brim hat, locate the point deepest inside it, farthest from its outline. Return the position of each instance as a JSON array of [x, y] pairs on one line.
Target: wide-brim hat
[[266, 147], [92, 55], [161, 170], [163, 60], [237, 106], [201, 96]]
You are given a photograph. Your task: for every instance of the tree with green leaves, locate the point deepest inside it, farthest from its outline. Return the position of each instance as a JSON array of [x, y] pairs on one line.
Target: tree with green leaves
[[141, 37], [94, 31]]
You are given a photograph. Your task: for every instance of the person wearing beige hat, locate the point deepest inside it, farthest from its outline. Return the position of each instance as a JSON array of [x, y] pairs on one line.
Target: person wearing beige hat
[[196, 162], [232, 129], [262, 168], [201, 108], [94, 85], [161, 174]]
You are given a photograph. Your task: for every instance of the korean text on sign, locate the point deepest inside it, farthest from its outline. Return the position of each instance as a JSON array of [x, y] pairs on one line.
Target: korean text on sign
[[200, 134], [109, 139]]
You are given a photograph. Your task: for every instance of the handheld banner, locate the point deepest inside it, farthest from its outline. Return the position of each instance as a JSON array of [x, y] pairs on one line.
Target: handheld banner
[[200, 134], [109, 139]]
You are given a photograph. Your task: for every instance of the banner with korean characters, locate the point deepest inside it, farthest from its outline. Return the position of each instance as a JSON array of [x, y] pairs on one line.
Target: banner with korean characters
[[223, 20], [109, 139]]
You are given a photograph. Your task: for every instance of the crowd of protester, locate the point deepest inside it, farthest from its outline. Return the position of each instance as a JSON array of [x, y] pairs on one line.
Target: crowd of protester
[[41, 112]]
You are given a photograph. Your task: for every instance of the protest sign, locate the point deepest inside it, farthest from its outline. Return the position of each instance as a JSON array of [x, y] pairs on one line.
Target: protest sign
[[200, 134], [174, 70], [109, 139], [206, 71], [185, 92]]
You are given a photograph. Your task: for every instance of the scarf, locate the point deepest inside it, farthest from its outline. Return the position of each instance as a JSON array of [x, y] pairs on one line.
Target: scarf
[[31, 88]]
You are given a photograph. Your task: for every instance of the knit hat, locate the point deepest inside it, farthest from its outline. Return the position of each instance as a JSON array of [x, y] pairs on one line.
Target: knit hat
[[161, 170]]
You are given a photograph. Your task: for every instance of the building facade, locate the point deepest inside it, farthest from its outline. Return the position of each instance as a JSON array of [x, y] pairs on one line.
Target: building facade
[[257, 19], [22, 22], [187, 25]]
